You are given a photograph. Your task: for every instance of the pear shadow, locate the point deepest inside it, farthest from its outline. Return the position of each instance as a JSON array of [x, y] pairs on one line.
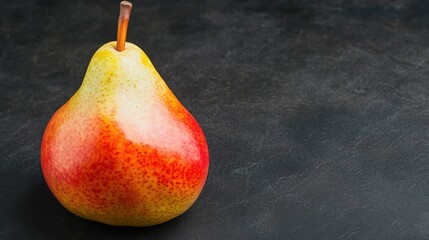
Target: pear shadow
[[43, 217]]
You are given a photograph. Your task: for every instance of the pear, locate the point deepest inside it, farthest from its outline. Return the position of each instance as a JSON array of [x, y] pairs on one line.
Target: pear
[[123, 150]]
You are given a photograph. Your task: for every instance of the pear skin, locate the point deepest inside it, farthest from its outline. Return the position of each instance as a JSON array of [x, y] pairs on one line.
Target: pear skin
[[123, 150]]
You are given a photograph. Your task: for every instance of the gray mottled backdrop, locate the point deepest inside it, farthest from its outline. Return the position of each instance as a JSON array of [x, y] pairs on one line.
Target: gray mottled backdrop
[[316, 114]]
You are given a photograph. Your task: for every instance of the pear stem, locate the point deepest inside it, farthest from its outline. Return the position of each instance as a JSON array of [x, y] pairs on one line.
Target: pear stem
[[124, 18]]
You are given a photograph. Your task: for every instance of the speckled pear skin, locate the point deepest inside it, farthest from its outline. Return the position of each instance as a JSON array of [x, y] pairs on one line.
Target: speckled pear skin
[[123, 150]]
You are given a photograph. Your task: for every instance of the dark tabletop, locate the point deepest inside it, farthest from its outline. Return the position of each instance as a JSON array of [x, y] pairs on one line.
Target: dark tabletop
[[316, 114]]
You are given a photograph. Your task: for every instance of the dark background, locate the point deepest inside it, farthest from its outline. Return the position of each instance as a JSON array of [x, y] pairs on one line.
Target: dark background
[[316, 114]]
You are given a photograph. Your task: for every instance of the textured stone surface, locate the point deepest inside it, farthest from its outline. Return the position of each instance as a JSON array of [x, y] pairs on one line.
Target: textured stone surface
[[316, 114]]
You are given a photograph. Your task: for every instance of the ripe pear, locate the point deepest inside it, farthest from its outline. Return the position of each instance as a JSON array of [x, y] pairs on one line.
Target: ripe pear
[[123, 150]]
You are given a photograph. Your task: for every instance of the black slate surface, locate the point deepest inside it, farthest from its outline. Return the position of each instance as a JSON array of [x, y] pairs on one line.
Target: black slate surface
[[316, 114]]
